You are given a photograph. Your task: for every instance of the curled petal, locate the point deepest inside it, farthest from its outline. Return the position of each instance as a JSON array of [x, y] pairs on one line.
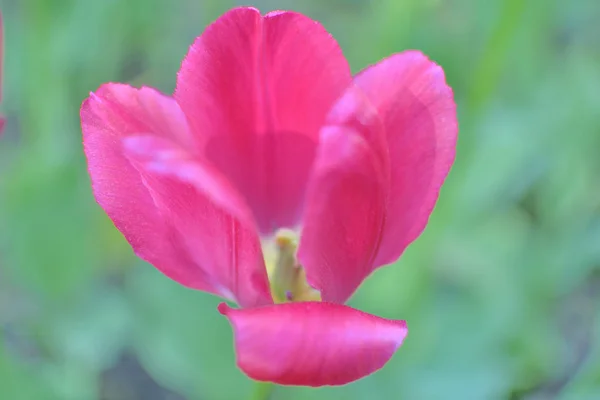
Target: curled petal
[[346, 198], [419, 115], [159, 157], [108, 116], [312, 343], [132, 178], [206, 219], [256, 91], [119, 110]]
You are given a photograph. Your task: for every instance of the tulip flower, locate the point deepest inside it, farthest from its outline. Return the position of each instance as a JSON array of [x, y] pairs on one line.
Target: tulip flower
[[275, 179]]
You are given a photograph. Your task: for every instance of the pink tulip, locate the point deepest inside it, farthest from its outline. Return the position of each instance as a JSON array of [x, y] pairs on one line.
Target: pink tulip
[[276, 180]]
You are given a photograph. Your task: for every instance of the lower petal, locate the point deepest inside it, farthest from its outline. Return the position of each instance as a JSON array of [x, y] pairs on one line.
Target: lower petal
[[312, 343]]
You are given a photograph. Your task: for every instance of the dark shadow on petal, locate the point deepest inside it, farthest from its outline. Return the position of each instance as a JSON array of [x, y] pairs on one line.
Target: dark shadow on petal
[[270, 171]]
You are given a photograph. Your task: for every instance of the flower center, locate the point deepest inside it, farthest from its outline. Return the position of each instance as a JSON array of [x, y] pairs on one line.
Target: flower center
[[286, 275]]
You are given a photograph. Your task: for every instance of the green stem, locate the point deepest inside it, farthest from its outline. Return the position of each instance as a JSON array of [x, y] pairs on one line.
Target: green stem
[[262, 391]]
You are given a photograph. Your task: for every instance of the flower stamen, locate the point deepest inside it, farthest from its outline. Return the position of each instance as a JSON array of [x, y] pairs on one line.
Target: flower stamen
[[286, 275]]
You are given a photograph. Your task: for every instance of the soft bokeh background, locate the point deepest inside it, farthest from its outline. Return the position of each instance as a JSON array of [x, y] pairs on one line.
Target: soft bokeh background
[[501, 292]]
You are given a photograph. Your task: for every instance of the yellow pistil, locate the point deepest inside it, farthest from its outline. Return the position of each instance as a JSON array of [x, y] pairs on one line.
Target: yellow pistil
[[287, 277]]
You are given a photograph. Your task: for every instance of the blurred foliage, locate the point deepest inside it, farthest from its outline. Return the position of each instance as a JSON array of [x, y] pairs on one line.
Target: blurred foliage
[[502, 291]]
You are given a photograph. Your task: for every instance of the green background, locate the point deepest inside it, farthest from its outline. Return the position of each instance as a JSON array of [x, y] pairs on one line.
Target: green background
[[501, 292]]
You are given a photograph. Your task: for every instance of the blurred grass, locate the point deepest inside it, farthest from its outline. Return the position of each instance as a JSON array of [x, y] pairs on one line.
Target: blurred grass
[[501, 292]]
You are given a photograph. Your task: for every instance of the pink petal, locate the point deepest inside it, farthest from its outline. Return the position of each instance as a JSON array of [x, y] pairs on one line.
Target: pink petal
[[312, 343], [256, 91], [131, 196], [160, 157], [207, 221], [419, 114], [346, 197]]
